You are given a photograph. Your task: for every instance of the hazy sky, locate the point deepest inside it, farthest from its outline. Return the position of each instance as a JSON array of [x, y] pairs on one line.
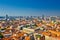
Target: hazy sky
[[30, 7]]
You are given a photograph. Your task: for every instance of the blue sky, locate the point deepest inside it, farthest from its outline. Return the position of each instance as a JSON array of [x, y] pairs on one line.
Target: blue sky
[[30, 7]]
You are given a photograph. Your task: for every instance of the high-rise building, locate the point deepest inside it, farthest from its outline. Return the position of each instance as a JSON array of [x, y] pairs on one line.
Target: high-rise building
[[7, 17], [42, 17]]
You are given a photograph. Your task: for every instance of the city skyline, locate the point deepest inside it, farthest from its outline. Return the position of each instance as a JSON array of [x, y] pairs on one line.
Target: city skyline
[[30, 7]]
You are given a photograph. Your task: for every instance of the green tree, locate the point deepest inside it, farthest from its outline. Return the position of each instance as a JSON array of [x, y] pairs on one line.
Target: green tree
[[1, 36]]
